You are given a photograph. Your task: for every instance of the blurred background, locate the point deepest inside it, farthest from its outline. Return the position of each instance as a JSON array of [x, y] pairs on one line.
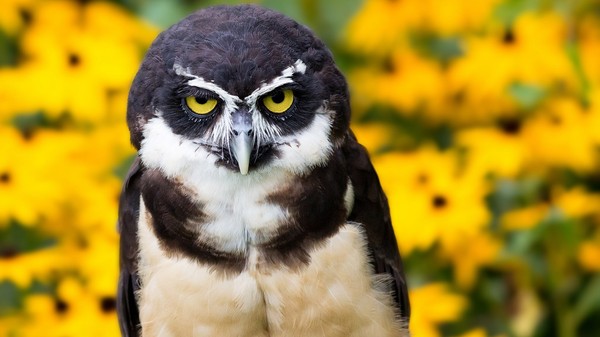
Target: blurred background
[[482, 118]]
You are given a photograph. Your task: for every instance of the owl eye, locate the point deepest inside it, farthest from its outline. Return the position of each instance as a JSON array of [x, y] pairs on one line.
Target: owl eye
[[201, 105], [279, 101]]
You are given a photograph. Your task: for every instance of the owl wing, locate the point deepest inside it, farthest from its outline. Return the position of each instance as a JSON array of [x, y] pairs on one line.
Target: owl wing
[[129, 207], [372, 211]]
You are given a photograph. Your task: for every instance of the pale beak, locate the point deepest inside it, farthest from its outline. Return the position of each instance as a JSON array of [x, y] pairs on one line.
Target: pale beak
[[242, 140]]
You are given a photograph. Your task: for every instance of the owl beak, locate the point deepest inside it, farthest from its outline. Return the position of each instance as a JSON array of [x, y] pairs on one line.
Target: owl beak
[[242, 142]]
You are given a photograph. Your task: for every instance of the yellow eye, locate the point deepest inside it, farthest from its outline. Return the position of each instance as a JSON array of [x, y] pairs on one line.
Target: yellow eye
[[279, 101], [201, 105]]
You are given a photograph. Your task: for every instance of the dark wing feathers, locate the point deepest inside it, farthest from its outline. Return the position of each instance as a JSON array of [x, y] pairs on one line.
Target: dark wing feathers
[[129, 207], [372, 211]]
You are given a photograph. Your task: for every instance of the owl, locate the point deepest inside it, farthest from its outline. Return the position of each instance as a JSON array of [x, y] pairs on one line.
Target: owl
[[251, 209]]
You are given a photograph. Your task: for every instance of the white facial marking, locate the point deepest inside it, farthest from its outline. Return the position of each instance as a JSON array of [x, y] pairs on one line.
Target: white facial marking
[[285, 78], [173, 154], [308, 148]]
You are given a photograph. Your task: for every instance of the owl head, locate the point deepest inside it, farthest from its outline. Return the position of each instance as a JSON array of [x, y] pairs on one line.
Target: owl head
[[241, 90]]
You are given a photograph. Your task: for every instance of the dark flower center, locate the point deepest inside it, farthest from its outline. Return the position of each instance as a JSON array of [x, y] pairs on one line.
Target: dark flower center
[[8, 253], [74, 60], [4, 178], [25, 15], [61, 306], [509, 36], [439, 201], [510, 126], [108, 304]]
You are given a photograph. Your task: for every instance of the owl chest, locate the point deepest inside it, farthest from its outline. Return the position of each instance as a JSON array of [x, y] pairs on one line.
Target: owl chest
[[237, 222], [333, 295]]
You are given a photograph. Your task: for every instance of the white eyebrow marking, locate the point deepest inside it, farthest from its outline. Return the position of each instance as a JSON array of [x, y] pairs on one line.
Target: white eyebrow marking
[[284, 78], [231, 101]]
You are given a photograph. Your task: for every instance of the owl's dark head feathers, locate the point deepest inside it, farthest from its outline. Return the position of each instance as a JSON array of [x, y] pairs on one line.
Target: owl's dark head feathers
[[238, 56]]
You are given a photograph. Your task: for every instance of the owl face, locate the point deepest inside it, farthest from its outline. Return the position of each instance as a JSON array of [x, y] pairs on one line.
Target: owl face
[[238, 95]]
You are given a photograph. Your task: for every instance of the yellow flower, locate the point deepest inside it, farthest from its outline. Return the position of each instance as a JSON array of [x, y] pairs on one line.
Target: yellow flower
[[469, 255], [23, 190], [28, 89], [50, 177], [76, 63], [493, 150], [576, 202], [411, 83], [474, 98], [573, 203], [426, 206], [557, 136], [373, 136], [450, 17], [378, 27], [70, 164], [475, 333], [21, 268], [589, 255], [111, 20], [39, 317], [70, 64], [14, 14], [381, 26], [589, 48], [524, 218], [508, 57], [85, 310], [591, 115], [74, 312], [432, 305], [541, 34], [100, 253]]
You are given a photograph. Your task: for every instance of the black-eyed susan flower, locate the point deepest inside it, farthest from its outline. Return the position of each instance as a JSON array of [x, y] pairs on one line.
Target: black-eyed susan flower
[[15, 14], [556, 136], [481, 92], [72, 62], [499, 151], [425, 195], [408, 83], [17, 178], [434, 304]]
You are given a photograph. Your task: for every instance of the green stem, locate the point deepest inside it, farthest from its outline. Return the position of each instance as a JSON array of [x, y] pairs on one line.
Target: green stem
[[557, 270]]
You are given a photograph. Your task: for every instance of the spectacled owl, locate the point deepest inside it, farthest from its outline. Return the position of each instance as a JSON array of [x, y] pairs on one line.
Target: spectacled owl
[[251, 209]]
